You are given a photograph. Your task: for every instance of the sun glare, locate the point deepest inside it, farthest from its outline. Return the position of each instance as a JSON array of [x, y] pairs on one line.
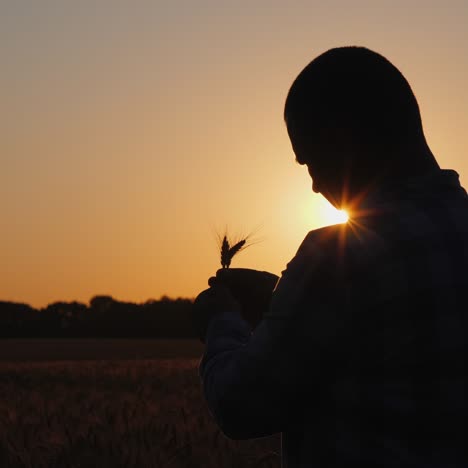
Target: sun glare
[[321, 213], [334, 216]]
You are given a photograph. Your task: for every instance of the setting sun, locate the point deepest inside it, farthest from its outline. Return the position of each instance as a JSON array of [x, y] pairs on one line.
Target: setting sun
[[318, 212], [333, 216]]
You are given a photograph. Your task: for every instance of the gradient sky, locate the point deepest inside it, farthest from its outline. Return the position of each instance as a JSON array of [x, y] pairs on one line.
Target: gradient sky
[[131, 131]]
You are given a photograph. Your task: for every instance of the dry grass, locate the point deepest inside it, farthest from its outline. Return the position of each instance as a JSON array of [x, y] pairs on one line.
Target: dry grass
[[141, 413]]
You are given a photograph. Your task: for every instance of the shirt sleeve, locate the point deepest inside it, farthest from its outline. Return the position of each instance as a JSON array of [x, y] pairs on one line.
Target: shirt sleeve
[[253, 381]]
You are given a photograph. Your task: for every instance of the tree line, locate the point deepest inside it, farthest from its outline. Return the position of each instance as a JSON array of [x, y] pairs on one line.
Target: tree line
[[104, 317]]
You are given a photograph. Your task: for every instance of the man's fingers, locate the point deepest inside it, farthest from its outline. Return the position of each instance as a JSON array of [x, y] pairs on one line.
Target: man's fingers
[[212, 281], [245, 278]]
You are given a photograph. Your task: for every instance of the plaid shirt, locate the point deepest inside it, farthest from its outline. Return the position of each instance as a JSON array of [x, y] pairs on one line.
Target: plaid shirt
[[361, 360]]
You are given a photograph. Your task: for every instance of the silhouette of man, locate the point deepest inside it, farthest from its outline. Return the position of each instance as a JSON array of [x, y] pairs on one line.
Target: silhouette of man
[[360, 359]]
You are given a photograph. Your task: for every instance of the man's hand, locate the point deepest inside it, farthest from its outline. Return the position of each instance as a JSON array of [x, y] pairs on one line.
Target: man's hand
[[252, 289], [209, 302]]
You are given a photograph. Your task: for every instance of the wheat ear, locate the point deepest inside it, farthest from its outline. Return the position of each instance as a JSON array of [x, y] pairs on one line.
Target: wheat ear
[[237, 247], [225, 257], [228, 251]]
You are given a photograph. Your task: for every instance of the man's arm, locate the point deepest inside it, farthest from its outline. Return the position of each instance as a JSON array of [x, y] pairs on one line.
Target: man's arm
[[253, 381], [240, 383]]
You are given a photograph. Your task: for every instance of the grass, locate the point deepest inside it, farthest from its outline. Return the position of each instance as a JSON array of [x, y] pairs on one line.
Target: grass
[[115, 413]]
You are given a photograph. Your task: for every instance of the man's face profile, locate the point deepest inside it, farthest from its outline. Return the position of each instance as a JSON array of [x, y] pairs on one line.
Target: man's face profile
[[321, 183]]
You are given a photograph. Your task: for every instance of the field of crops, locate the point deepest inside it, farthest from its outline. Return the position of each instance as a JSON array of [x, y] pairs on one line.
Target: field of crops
[[70, 349], [115, 413]]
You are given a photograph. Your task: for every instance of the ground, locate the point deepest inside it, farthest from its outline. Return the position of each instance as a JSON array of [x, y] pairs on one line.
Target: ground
[[113, 412]]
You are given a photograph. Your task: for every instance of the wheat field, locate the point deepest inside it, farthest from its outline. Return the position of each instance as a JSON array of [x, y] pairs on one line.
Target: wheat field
[[115, 413]]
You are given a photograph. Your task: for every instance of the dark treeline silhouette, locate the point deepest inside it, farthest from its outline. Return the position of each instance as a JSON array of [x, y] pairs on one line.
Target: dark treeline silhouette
[[104, 317]]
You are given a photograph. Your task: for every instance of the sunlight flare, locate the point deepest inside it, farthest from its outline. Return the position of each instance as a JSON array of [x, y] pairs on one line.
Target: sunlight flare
[[333, 216]]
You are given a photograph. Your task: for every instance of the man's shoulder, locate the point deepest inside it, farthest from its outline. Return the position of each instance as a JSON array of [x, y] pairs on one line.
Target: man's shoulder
[[342, 242], [327, 252], [318, 269], [324, 237]]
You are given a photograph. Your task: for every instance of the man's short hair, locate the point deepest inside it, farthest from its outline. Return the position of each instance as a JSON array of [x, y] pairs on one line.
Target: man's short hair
[[356, 90]]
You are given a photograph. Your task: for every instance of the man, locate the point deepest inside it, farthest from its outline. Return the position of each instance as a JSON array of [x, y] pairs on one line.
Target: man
[[360, 358]]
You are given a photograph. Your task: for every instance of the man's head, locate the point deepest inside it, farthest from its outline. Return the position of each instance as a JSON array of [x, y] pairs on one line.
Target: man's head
[[354, 121]]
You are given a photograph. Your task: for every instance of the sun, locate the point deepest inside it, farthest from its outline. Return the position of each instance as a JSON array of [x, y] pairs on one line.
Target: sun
[[333, 216], [318, 213]]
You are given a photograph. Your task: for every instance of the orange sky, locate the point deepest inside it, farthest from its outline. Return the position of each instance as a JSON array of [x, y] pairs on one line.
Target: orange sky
[[132, 130]]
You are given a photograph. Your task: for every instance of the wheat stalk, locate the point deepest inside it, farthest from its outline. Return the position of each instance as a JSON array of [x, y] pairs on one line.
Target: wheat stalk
[[228, 251], [225, 258]]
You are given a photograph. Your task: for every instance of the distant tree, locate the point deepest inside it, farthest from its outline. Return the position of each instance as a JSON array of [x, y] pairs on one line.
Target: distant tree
[[16, 319], [64, 317], [105, 317], [101, 303]]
